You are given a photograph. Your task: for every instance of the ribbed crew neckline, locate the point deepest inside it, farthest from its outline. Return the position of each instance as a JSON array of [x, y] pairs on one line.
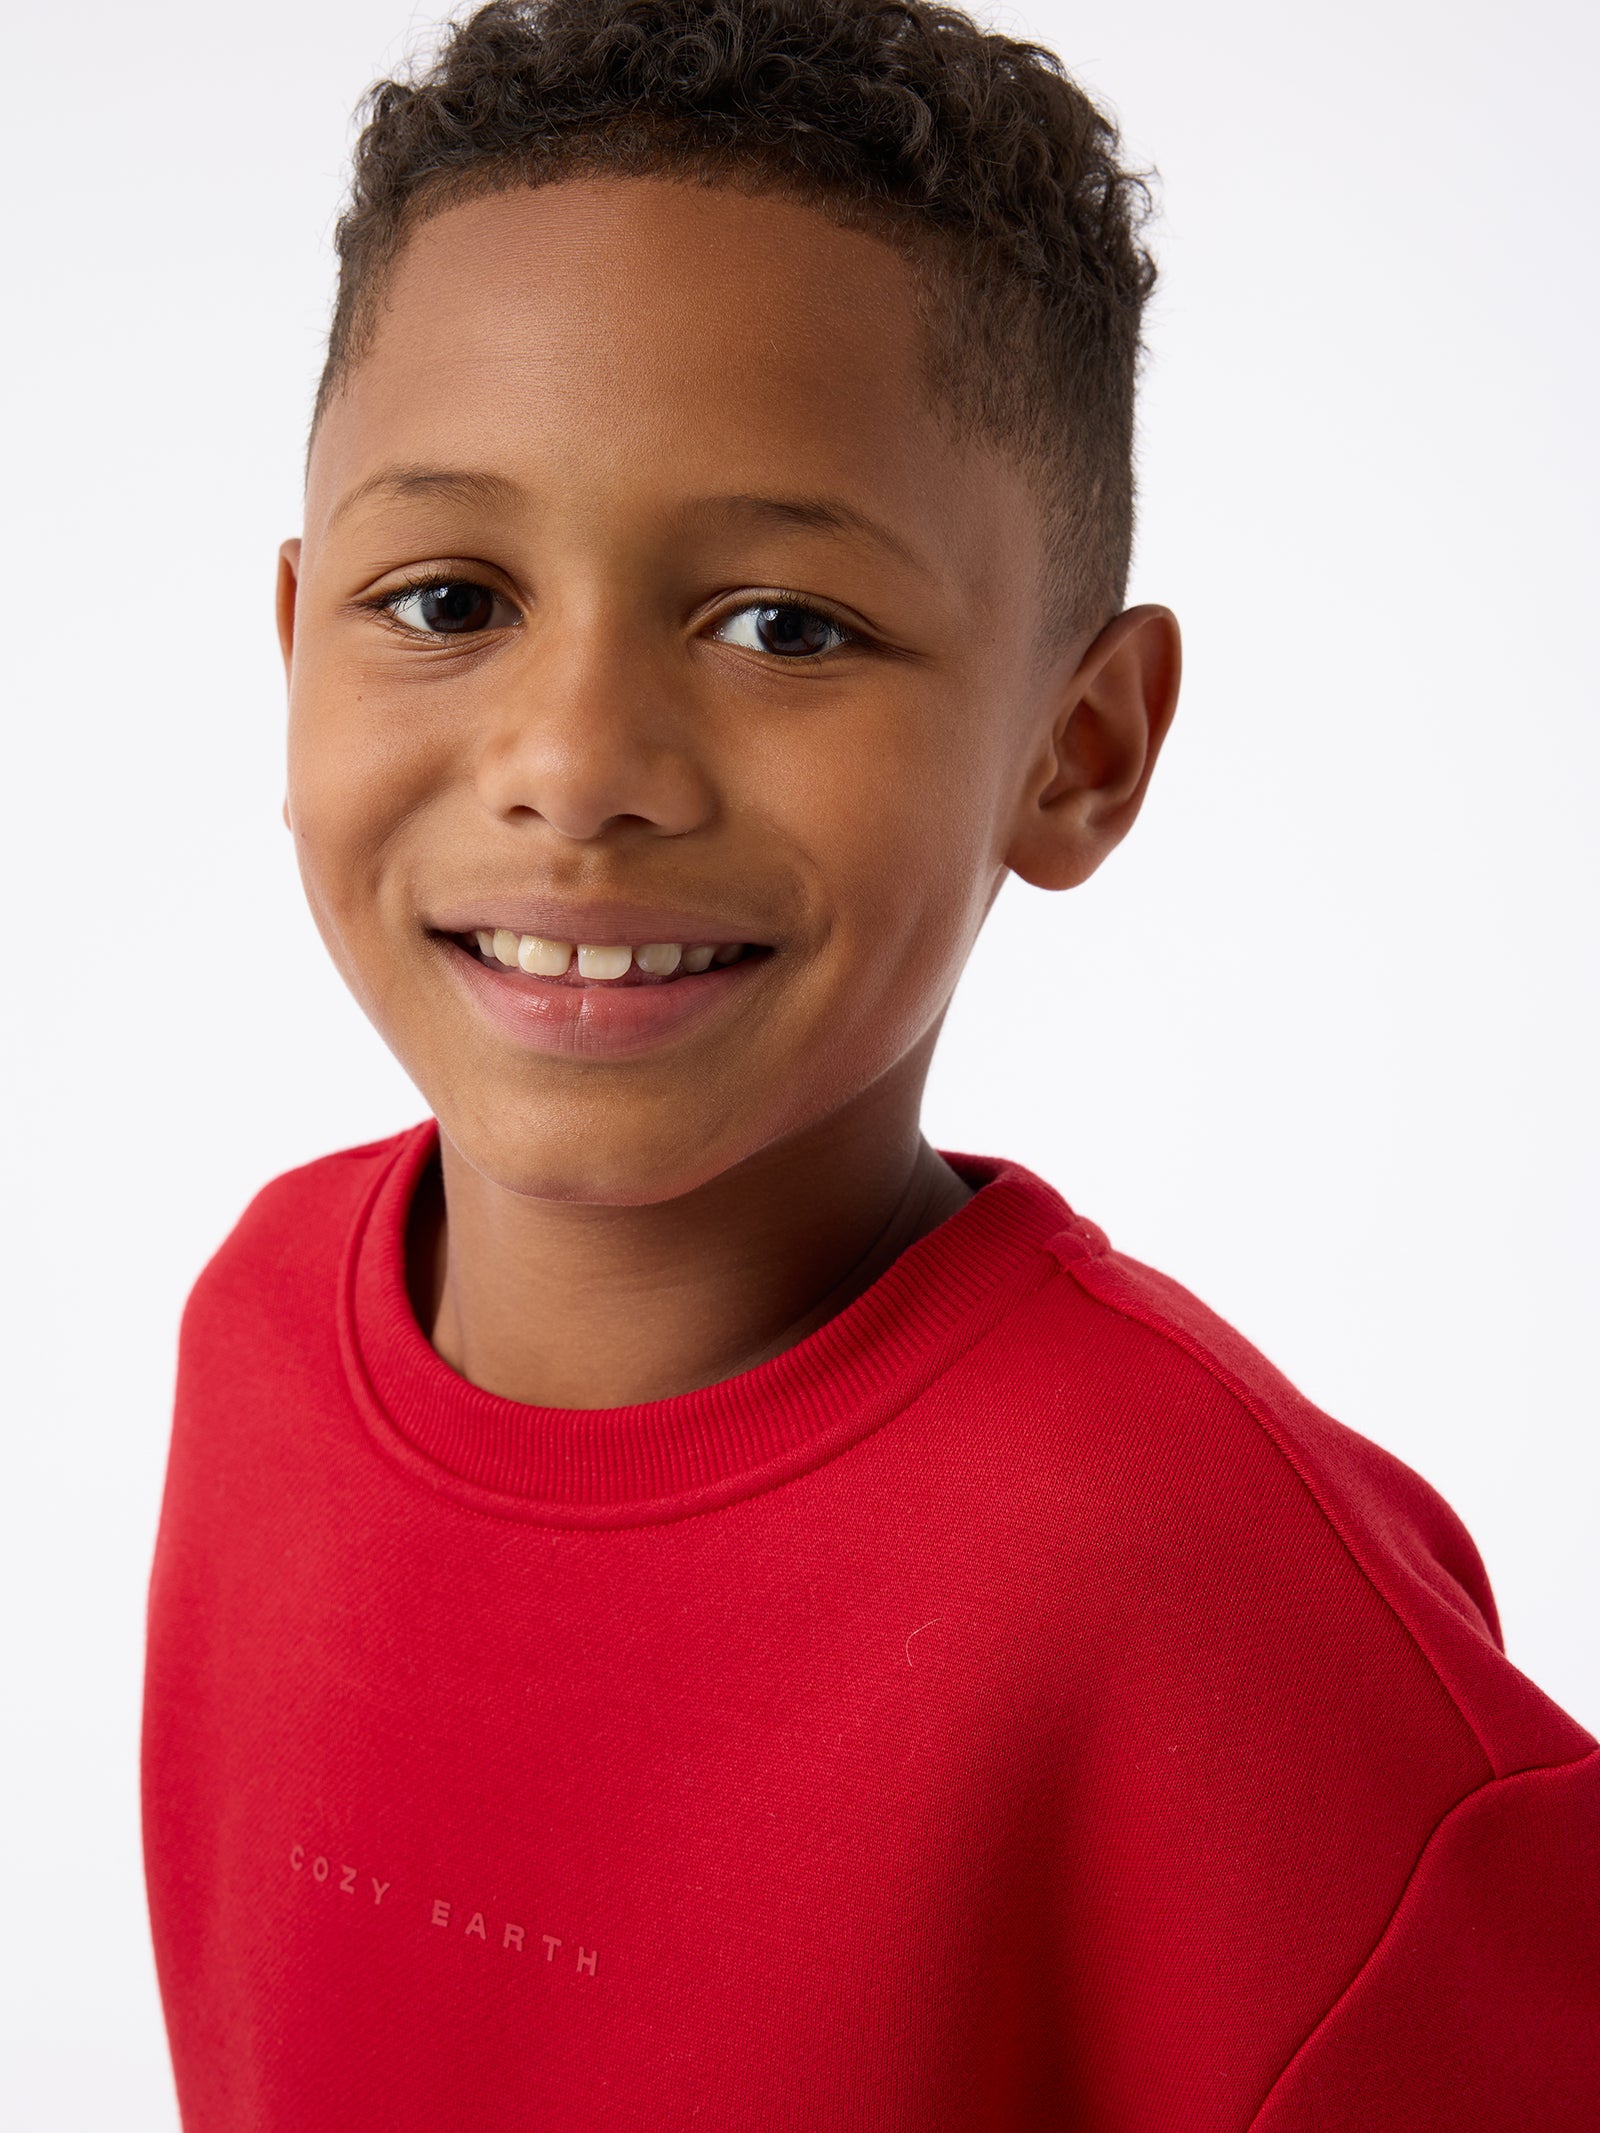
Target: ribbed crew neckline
[[673, 1458]]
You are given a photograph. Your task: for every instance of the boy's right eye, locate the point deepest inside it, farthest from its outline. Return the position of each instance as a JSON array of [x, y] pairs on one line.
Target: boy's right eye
[[448, 607]]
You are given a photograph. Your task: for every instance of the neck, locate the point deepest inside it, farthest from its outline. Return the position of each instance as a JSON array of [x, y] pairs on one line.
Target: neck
[[567, 1305]]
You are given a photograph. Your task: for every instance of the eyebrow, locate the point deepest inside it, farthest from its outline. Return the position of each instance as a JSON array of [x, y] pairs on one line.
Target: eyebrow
[[827, 514], [465, 485], [457, 485]]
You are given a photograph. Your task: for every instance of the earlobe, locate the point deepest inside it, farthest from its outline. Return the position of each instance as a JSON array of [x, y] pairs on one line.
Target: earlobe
[[1106, 730], [288, 586]]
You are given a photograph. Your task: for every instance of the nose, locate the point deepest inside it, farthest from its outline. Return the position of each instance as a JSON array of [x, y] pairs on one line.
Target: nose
[[595, 733]]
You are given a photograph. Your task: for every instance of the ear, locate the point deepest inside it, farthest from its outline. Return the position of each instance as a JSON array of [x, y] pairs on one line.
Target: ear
[[288, 585], [1088, 782]]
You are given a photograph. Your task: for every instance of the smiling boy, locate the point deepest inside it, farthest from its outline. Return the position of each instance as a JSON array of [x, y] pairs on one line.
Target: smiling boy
[[677, 1603]]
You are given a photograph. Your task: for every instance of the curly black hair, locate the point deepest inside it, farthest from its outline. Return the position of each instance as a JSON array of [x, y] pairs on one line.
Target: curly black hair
[[974, 155]]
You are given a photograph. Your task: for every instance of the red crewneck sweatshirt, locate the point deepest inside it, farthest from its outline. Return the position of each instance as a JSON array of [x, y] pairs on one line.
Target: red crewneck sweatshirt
[[1012, 1708]]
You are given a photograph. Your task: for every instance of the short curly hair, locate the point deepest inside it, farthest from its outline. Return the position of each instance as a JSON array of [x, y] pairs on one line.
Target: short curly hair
[[974, 155]]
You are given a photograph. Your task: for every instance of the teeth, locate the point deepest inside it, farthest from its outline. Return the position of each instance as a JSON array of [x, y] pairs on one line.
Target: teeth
[[552, 959], [543, 959], [604, 962]]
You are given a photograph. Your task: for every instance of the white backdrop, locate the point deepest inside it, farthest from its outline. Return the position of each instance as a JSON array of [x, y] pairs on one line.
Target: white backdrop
[[1321, 1041]]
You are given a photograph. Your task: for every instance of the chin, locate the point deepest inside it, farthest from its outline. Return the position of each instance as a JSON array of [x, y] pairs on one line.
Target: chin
[[579, 1161]]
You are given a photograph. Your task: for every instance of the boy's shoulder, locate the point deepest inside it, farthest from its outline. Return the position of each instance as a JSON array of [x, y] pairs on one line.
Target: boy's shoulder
[[1264, 1475], [293, 1231]]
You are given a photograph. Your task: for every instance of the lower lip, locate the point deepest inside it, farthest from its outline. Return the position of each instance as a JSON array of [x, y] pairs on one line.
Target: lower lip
[[596, 1020]]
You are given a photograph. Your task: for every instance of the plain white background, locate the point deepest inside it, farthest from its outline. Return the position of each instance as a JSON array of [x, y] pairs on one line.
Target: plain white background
[[1321, 1040]]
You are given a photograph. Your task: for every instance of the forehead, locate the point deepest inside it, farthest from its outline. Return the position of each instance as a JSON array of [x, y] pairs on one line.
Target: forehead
[[631, 333]]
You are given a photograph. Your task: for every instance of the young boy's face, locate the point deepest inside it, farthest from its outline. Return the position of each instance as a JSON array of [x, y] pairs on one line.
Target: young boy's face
[[643, 601]]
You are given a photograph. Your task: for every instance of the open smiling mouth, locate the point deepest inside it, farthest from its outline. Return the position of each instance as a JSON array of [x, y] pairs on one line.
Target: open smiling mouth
[[578, 964]]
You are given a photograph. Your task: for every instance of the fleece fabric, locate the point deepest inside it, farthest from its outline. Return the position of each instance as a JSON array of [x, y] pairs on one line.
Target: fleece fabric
[[1012, 1708]]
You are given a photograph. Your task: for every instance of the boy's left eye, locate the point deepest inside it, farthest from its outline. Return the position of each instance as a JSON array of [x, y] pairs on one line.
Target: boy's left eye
[[453, 607], [780, 627]]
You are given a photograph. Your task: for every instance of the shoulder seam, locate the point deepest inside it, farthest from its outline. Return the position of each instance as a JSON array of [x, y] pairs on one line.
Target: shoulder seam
[[1489, 1784], [1214, 1368]]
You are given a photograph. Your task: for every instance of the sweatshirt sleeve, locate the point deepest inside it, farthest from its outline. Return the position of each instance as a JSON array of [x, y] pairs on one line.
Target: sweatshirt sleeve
[[1480, 2005]]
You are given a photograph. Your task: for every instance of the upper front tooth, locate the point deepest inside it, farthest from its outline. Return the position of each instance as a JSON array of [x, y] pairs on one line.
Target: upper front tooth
[[543, 959], [659, 958], [603, 962]]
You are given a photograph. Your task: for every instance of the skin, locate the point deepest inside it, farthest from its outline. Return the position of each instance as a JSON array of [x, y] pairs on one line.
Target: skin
[[621, 354]]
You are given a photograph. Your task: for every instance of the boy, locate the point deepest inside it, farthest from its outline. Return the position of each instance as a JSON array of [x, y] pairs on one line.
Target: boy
[[677, 1604]]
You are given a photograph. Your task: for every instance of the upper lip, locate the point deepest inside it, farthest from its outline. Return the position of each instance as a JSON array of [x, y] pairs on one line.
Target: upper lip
[[593, 925]]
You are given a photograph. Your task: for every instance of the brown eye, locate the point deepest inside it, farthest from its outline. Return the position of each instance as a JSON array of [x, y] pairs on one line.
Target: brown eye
[[456, 608], [788, 631]]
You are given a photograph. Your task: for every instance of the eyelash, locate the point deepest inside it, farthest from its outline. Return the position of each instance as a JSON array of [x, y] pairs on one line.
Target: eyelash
[[427, 581], [434, 581]]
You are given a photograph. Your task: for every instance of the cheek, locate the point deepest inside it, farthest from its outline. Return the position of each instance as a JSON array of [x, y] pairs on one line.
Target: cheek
[[351, 789], [902, 825], [356, 772]]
